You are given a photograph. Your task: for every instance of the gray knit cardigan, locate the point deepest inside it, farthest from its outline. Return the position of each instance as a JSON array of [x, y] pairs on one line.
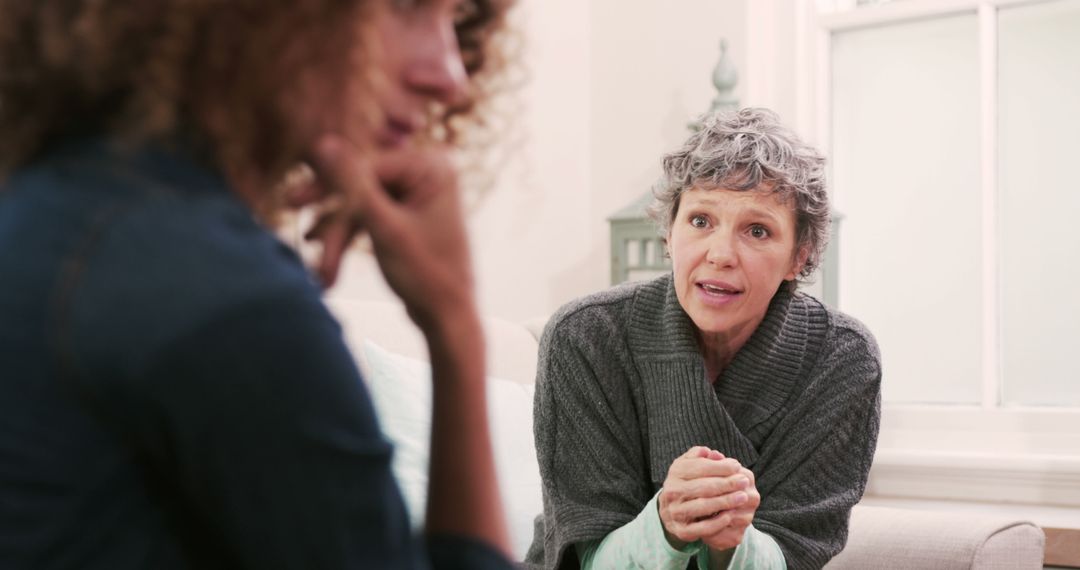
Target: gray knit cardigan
[[621, 392]]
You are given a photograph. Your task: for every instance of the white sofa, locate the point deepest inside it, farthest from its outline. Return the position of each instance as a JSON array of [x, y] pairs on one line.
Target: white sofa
[[391, 353]]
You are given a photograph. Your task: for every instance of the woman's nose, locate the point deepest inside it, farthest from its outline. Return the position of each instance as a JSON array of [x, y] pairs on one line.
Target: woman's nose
[[436, 71], [722, 251]]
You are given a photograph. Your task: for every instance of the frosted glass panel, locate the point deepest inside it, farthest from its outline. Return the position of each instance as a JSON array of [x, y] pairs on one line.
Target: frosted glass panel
[[905, 153], [1039, 126]]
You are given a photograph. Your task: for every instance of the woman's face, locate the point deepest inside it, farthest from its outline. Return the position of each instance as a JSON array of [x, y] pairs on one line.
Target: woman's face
[[411, 62], [730, 251], [420, 64]]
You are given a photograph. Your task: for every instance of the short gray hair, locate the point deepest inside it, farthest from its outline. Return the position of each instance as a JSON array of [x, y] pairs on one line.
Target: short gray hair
[[750, 150]]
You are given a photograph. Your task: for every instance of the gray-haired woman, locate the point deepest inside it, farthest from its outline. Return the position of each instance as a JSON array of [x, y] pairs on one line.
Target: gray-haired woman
[[713, 416]]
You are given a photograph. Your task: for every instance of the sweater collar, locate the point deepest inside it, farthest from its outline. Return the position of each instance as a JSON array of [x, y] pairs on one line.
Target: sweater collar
[[757, 383]]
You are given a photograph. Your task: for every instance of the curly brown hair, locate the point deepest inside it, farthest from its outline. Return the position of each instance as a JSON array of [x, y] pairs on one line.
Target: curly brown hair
[[219, 70]]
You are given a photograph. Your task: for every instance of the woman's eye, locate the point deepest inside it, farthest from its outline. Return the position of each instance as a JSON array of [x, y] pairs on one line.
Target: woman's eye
[[699, 221], [759, 232]]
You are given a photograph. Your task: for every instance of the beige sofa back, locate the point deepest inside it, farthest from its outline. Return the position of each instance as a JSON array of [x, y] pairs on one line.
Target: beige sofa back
[[901, 539]]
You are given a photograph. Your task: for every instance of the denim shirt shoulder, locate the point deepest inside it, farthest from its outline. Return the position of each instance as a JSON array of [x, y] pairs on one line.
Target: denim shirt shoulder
[[137, 246]]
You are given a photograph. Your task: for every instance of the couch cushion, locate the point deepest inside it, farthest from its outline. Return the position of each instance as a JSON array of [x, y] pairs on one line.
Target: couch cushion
[[901, 539], [401, 390]]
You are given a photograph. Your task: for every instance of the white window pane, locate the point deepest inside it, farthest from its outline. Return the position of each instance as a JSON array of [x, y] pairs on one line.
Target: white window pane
[[906, 176], [1039, 130]]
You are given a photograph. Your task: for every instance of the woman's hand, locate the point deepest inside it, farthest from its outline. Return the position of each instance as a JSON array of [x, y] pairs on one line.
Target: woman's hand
[[707, 497], [408, 202], [741, 517]]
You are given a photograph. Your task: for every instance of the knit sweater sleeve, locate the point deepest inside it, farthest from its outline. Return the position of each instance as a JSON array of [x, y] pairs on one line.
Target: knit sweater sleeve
[[588, 441], [826, 444]]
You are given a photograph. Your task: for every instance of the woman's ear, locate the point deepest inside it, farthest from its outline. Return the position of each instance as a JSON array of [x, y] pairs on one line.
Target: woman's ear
[[798, 262]]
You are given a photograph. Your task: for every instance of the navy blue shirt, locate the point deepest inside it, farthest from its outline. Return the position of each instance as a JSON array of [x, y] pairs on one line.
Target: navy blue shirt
[[173, 392]]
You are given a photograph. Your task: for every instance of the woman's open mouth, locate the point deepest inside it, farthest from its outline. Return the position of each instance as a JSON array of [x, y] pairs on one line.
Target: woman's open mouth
[[717, 292]]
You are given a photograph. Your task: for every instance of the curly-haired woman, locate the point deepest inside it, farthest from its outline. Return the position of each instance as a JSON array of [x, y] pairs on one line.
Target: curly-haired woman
[[175, 394]]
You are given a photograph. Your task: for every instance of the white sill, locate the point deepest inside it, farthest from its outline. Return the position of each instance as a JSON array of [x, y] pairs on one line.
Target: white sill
[[999, 456], [1049, 480], [1044, 516]]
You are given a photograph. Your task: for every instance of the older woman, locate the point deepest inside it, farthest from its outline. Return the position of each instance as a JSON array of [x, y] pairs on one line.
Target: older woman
[[714, 415], [174, 393]]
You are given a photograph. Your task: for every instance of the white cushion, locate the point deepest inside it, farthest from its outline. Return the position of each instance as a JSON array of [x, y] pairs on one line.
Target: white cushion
[[401, 390]]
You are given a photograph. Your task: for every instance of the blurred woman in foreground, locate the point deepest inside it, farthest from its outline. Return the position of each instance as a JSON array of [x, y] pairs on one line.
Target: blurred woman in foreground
[[175, 394]]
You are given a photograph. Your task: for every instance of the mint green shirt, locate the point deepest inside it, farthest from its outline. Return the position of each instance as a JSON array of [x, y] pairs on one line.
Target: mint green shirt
[[640, 543]]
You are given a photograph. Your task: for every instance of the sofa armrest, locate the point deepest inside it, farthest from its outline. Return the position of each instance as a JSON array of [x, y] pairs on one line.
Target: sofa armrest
[[899, 539], [535, 326]]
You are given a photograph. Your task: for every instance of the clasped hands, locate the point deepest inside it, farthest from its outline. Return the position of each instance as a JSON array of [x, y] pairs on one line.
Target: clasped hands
[[707, 497]]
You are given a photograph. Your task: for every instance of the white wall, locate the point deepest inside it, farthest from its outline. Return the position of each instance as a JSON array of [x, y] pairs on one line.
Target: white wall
[[611, 87], [652, 66]]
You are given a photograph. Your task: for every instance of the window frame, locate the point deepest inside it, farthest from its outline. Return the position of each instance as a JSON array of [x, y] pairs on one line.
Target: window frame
[[984, 452]]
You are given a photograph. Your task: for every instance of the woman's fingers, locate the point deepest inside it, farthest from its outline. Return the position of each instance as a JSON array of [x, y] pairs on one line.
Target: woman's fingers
[[743, 516], [407, 201], [354, 200], [336, 235], [709, 497], [352, 181], [701, 452], [731, 535], [687, 468], [726, 537], [740, 519], [698, 528], [412, 176], [701, 508], [700, 491], [709, 526], [715, 486]]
